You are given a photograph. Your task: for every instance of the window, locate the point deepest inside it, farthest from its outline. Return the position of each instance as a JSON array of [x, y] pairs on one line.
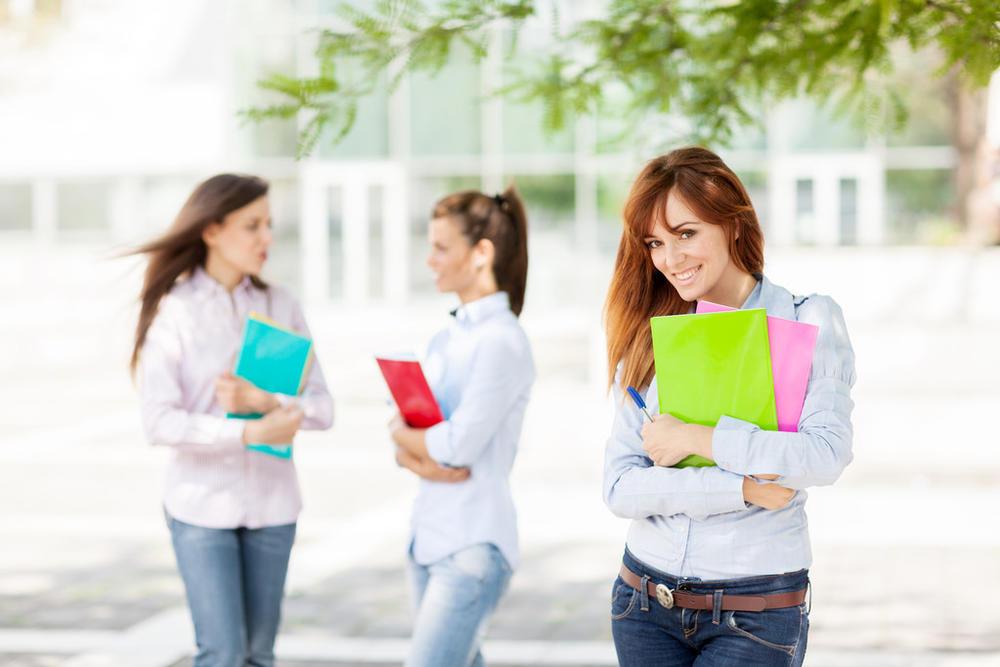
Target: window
[[805, 214], [15, 207]]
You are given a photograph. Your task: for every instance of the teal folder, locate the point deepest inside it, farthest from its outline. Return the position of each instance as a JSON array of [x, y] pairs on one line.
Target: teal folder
[[276, 360], [714, 364]]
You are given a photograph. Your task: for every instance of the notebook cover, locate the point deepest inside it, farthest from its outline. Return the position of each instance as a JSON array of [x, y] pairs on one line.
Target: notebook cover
[[710, 365], [410, 390], [275, 359], [792, 345]]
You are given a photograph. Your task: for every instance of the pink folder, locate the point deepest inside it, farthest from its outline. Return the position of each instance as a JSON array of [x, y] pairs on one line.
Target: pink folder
[[792, 344]]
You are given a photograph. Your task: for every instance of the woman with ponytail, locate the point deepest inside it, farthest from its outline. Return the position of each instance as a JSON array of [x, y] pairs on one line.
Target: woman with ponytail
[[231, 511], [463, 547]]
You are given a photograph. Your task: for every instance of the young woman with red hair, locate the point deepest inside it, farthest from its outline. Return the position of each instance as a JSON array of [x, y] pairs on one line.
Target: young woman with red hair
[[716, 560]]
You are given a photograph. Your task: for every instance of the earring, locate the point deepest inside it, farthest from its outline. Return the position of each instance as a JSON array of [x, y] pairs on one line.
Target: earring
[[479, 263]]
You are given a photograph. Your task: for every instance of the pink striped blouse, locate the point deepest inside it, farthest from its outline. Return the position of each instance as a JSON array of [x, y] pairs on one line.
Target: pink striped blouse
[[213, 480]]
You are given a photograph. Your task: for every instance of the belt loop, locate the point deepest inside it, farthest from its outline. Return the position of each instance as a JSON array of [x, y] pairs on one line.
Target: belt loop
[[809, 590], [717, 608], [644, 593]]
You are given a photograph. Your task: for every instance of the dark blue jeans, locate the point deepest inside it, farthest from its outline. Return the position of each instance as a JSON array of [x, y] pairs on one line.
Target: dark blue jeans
[[647, 633], [234, 580]]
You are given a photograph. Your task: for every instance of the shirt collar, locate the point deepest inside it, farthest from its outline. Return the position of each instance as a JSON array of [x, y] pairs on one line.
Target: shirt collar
[[777, 300], [482, 309], [754, 299], [207, 285]]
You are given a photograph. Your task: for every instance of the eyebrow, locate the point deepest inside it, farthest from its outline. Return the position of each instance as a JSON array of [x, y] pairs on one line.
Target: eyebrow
[[674, 230]]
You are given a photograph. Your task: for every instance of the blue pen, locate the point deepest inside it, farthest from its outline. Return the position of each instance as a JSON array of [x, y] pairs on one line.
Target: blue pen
[[638, 401]]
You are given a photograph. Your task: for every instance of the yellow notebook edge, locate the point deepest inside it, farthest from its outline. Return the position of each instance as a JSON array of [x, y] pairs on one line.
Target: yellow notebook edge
[[305, 370], [254, 315]]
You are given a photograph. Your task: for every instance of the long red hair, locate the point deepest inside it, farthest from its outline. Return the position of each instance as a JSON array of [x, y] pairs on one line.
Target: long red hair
[[638, 290]]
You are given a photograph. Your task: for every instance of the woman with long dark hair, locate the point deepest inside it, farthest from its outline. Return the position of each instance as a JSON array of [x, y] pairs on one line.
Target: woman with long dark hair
[[716, 560], [464, 547], [231, 511]]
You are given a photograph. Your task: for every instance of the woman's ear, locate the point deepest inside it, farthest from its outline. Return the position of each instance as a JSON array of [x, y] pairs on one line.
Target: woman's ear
[[209, 233], [483, 253]]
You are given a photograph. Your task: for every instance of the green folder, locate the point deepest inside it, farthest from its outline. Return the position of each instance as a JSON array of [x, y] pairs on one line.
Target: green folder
[[276, 360], [714, 364]]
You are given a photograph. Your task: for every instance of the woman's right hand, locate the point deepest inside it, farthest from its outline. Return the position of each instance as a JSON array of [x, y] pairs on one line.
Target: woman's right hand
[[768, 496], [277, 427]]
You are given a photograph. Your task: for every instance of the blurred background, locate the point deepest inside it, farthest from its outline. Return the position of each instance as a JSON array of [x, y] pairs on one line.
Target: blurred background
[[111, 111]]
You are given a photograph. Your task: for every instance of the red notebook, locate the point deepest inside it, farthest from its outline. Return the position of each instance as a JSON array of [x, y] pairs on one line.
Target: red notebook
[[410, 390]]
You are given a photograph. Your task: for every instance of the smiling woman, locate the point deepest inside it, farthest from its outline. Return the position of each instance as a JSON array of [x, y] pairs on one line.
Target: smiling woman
[[693, 254], [690, 190], [715, 569]]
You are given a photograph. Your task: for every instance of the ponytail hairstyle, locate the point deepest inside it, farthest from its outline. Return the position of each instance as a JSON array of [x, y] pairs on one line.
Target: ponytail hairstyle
[[502, 221], [638, 290], [181, 249]]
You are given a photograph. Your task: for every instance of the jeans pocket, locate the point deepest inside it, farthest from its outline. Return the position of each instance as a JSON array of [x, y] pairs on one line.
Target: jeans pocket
[[778, 629], [622, 600], [481, 562]]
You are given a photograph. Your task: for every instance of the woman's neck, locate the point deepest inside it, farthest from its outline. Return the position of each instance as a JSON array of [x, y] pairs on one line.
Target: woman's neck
[[475, 293], [732, 290], [483, 285], [222, 272]]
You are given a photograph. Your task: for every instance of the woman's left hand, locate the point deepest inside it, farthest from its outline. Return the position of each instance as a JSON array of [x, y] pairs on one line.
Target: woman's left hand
[[429, 469], [239, 397], [667, 440]]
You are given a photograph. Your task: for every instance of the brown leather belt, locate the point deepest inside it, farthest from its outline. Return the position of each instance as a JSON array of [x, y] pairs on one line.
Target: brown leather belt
[[669, 598]]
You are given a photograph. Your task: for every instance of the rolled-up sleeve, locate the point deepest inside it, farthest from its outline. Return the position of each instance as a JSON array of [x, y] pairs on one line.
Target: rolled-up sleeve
[[500, 370], [634, 488], [818, 453], [164, 419]]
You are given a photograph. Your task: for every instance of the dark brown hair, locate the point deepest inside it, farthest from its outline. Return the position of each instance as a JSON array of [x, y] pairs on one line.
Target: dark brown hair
[[502, 221], [181, 249], [638, 290]]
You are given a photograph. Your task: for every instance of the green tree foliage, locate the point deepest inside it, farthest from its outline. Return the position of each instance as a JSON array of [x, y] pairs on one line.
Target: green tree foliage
[[715, 64]]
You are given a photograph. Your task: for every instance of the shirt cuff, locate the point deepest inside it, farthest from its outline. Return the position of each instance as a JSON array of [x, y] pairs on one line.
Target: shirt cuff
[[436, 440], [730, 442], [728, 496], [231, 433]]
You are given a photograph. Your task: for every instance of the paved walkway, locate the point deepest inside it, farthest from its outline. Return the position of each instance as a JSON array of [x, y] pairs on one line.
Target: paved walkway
[[87, 576]]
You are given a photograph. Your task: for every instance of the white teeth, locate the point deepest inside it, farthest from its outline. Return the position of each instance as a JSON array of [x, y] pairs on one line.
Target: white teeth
[[687, 274]]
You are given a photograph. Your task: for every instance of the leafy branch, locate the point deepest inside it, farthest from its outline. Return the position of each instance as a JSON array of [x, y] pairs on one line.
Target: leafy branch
[[711, 63]]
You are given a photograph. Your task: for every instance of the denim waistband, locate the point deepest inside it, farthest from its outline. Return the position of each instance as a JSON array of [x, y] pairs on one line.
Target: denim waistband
[[768, 583]]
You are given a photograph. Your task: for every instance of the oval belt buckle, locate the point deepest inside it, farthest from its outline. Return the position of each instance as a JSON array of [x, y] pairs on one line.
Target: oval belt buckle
[[664, 596]]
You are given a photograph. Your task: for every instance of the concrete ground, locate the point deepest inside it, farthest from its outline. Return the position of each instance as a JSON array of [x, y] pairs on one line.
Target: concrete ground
[[906, 550]]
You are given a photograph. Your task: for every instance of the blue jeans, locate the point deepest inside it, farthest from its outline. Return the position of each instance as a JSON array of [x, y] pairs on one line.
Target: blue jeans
[[453, 601], [647, 633], [234, 579]]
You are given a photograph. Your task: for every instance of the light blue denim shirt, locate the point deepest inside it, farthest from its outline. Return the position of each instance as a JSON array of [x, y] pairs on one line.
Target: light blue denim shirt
[[692, 522], [480, 370]]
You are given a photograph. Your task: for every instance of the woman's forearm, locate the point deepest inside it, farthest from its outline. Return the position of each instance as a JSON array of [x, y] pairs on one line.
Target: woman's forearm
[[412, 440]]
